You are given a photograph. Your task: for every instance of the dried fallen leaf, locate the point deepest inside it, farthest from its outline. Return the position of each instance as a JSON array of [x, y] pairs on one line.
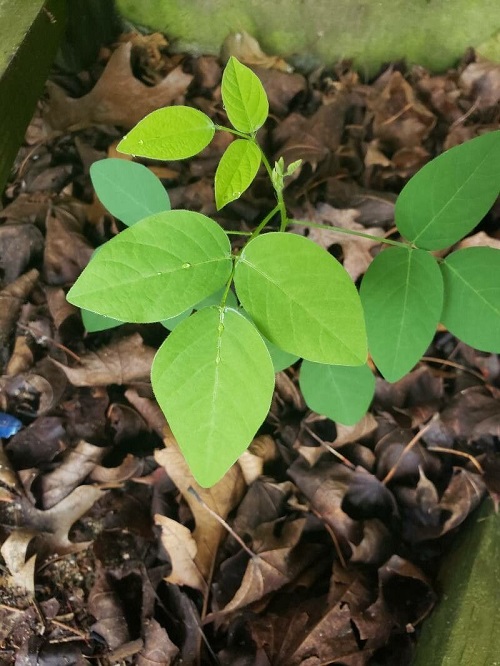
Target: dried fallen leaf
[[118, 98], [12, 298], [481, 80], [106, 607], [247, 49], [121, 362], [67, 251], [221, 498], [181, 548], [158, 649], [357, 255]]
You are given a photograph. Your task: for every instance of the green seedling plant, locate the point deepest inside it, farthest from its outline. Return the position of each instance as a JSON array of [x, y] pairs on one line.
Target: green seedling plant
[[238, 317]]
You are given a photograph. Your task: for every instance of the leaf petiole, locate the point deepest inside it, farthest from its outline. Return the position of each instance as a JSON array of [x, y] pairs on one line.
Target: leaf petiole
[[351, 232]]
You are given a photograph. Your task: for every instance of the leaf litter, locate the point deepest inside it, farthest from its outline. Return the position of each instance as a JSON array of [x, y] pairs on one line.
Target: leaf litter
[[321, 545]]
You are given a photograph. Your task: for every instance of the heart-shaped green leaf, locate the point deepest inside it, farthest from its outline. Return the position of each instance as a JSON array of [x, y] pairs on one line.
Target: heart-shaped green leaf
[[130, 191], [236, 171], [172, 133], [449, 196], [156, 269], [472, 297], [340, 392], [244, 97], [214, 380], [301, 299], [402, 295]]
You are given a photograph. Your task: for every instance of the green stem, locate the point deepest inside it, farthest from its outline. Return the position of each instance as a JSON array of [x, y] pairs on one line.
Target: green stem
[[268, 217], [228, 287], [221, 128], [279, 193], [238, 233], [350, 232]]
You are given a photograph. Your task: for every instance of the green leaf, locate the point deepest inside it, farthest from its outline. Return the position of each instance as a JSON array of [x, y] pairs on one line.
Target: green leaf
[[244, 97], [173, 322], [402, 295], [340, 392], [156, 269], [301, 299], [94, 322], [472, 297], [449, 196], [172, 133], [130, 191], [214, 380], [236, 171], [215, 299], [280, 358]]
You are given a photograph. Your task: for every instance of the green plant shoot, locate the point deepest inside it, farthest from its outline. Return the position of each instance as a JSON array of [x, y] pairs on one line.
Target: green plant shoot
[[238, 318]]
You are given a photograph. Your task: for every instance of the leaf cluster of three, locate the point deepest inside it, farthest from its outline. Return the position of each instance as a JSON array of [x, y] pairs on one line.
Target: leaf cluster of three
[[214, 374]]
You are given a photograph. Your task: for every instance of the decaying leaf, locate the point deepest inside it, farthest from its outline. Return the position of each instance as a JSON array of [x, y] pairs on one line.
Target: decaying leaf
[[123, 361], [221, 498], [12, 298], [118, 98], [247, 50], [181, 548]]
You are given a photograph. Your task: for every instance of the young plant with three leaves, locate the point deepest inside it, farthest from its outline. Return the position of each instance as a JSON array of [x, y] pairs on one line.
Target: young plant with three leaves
[[214, 374]]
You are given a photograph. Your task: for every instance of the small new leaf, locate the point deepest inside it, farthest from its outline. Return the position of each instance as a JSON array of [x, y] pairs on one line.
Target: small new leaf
[[130, 191], [340, 392], [156, 269], [472, 297], [449, 196], [173, 133], [236, 171], [301, 299], [402, 296], [214, 380], [244, 97]]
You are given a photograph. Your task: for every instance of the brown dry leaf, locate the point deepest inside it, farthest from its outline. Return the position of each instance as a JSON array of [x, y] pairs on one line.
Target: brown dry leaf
[[67, 251], [21, 359], [221, 498], [481, 81], [121, 362], [131, 467], [261, 450], [12, 298], [281, 87], [181, 548], [356, 250], [20, 245], [9, 482], [247, 50], [351, 434], [400, 120], [463, 494], [53, 525], [481, 239], [22, 571], [158, 649], [106, 607], [76, 466], [118, 98]]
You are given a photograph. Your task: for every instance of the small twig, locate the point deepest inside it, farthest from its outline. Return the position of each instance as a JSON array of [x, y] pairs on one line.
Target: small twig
[[397, 115], [452, 364], [72, 630], [464, 117], [222, 522], [407, 448], [330, 448], [40, 339], [462, 454]]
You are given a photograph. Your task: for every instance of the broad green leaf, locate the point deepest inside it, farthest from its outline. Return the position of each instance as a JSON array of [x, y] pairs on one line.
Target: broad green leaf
[[472, 297], [215, 299], [340, 392], [94, 322], [244, 97], [280, 358], [172, 133], [402, 295], [156, 269], [301, 299], [130, 191], [173, 322], [449, 196], [214, 380], [236, 171]]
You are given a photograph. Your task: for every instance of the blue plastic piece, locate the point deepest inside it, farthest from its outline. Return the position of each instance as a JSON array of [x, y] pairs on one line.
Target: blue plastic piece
[[9, 425]]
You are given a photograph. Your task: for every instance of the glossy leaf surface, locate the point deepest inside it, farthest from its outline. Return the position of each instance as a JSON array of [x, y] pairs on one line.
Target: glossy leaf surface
[[402, 296], [301, 299], [244, 97], [236, 171], [172, 133], [156, 269], [340, 392], [449, 196], [214, 380], [94, 322], [130, 191], [472, 297]]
